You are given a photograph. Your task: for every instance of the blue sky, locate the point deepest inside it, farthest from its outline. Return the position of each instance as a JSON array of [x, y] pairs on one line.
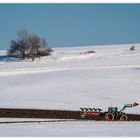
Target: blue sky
[[66, 25]]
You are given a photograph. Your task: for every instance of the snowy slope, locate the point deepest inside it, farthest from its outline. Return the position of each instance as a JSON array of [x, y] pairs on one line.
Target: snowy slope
[[70, 79]]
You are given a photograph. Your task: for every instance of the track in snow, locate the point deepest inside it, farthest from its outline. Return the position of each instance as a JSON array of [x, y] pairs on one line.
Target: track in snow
[[40, 70], [39, 121]]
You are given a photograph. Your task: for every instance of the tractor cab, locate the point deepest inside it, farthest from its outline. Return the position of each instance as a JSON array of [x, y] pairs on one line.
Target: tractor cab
[[112, 109]]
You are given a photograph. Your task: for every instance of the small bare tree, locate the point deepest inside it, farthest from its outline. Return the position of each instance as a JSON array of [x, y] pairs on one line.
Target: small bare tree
[[44, 43], [23, 35], [28, 46], [18, 49], [132, 48], [35, 43]]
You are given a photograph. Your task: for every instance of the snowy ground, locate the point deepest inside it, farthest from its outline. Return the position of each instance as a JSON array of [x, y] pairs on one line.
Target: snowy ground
[[71, 129], [70, 79]]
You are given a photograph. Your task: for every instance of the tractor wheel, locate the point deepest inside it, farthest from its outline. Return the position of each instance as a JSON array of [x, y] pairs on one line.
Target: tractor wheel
[[123, 118], [109, 117]]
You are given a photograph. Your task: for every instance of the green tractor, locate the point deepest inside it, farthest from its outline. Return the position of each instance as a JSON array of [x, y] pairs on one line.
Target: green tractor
[[114, 114]]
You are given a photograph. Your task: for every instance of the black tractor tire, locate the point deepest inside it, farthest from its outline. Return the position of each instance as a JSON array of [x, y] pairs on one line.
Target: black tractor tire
[[109, 117], [124, 117]]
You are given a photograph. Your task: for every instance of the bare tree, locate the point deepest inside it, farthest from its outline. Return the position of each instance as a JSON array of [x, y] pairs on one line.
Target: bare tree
[[23, 35], [23, 48], [132, 48], [18, 49], [44, 43], [35, 43], [13, 47], [28, 46]]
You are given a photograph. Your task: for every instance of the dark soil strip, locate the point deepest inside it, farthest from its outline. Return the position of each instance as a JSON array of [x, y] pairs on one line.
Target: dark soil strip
[[37, 113], [53, 114]]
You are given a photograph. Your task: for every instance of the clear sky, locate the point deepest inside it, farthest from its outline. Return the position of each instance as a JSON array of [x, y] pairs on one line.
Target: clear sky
[[66, 25]]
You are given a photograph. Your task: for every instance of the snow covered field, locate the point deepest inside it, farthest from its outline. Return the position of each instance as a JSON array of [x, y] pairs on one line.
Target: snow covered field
[[71, 129], [70, 79]]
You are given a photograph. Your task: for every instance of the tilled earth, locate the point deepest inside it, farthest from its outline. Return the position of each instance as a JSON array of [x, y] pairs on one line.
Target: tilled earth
[[54, 114]]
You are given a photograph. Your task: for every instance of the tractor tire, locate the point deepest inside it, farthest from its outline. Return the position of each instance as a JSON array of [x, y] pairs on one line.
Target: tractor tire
[[124, 118], [109, 117]]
